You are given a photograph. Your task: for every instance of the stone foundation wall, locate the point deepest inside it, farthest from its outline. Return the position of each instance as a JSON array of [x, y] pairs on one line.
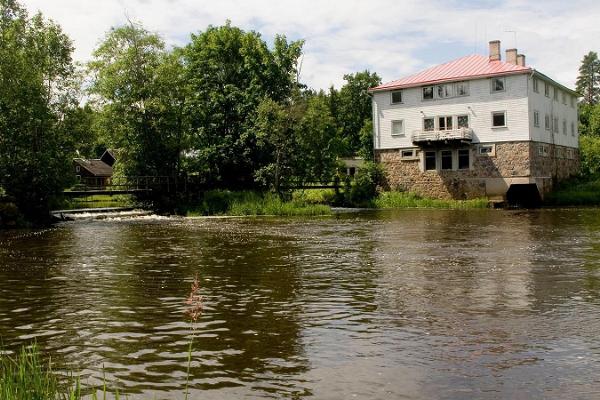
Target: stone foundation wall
[[489, 175]]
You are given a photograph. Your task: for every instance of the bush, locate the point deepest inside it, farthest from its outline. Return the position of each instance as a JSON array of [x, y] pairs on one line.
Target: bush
[[10, 215], [589, 148], [366, 182], [579, 191]]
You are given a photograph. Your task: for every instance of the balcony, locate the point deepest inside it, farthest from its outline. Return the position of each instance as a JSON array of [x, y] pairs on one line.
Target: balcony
[[460, 136]]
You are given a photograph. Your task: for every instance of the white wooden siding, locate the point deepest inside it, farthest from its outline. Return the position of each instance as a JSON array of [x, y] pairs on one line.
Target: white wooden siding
[[548, 106], [478, 105]]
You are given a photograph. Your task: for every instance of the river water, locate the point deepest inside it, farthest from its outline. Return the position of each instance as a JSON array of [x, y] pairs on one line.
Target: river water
[[408, 304]]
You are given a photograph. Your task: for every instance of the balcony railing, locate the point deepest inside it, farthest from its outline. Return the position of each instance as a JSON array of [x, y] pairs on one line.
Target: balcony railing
[[424, 137]]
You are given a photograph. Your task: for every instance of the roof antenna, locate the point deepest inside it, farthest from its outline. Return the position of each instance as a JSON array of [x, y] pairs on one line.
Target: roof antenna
[[475, 40], [514, 33]]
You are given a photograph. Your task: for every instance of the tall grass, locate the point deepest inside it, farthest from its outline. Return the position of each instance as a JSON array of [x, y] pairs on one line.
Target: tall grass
[[225, 202], [26, 377], [93, 201], [412, 200], [581, 191]]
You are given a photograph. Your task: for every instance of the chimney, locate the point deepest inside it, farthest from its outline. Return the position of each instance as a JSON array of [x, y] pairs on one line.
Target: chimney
[[495, 50], [511, 56], [521, 60]]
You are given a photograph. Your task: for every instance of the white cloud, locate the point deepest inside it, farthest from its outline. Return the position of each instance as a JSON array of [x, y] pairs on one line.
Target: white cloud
[[392, 38]]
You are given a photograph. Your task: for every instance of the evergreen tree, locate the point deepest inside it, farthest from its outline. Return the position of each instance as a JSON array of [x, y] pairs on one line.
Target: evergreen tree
[[588, 82]]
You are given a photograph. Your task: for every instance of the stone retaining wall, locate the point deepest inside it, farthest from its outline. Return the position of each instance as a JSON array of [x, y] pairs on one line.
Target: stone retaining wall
[[489, 175]]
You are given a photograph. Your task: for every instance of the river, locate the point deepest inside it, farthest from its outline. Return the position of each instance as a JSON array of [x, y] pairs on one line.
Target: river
[[415, 304]]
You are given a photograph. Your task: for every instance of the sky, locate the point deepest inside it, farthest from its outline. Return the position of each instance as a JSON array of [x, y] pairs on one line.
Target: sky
[[394, 38]]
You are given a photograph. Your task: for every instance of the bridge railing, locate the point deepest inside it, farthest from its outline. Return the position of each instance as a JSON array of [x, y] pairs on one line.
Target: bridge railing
[[124, 183]]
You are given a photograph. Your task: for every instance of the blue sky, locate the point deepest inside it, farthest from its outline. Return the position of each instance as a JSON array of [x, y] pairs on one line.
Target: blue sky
[[392, 38]]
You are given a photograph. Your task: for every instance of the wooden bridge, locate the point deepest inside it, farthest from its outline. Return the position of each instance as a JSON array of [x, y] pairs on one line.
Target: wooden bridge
[[123, 185]]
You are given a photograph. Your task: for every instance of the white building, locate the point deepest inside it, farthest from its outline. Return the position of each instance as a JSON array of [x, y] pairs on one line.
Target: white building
[[475, 127]]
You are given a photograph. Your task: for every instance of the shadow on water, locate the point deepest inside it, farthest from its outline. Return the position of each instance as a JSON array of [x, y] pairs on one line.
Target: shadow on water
[[417, 303]]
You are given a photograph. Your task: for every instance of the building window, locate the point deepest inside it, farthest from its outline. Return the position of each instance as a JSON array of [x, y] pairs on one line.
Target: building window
[[446, 159], [398, 128], [487, 150], [555, 94], [572, 128], [558, 152], [462, 121], [428, 124], [570, 154], [543, 150], [444, 91], [546, 89], [498, 84], [408, 153], [77, 168], [555, 125], [499, 119], [547, 122], [536, 118], [396, 96], [445, 123], [536, 85], [430, 160], [564, 126], [462, 88], [463, 158], [428, 93], [564, 98]]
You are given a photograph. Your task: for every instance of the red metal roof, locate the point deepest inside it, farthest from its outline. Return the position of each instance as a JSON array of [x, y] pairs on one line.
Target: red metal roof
[[469, 67]]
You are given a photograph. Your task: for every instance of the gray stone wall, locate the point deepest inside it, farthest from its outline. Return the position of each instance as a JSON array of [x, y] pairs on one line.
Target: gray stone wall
[[520, 160]]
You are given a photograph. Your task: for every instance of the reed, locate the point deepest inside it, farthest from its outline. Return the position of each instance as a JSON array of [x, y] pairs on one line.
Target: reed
[[26, 376], [248, 203], [412, 200]]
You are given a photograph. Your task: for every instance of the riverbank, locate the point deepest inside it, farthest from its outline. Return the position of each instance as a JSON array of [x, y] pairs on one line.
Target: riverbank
[[580, 191], [310, 202]]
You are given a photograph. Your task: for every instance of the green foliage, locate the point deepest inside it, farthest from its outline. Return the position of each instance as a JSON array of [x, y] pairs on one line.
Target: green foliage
[[318, 141], [589, 119], [412, 200], [10, 216], [588, 81], [93, 201], [138, 88], [276, 139], [589, 151], [225, 202], [366, 141], [579, 191], [230, 73], [37, 89], [366, 181], [352, 108], [314, 196], [27, 377]]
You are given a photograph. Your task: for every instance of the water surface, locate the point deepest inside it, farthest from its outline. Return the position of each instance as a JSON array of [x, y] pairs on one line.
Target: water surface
[[409, 304]]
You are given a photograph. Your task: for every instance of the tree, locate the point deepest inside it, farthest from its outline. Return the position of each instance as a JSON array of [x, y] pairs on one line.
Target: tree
[[276, 138], [139, 90], [319, 141], [588, 82], [230, 73], [37, 92], [351, 107]]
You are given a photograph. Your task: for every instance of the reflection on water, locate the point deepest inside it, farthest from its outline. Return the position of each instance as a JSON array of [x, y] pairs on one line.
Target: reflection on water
[[419, 304]]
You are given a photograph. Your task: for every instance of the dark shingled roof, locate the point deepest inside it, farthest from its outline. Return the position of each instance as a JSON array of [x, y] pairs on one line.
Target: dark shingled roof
[[95, 167]]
